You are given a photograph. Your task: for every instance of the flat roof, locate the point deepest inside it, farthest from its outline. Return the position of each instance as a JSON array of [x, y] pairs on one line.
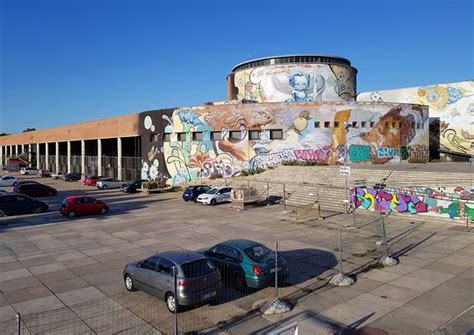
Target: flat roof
[[316, 58]]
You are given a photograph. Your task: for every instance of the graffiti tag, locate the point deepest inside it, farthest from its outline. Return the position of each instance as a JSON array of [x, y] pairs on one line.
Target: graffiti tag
[[387, 152], [359, 153]]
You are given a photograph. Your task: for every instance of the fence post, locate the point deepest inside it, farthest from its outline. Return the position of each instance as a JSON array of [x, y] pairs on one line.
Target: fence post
[[175, 285], [276, 270], [268, 191], [18, 323], [284, 198], [340, 279], [340, 251], [386, 260]]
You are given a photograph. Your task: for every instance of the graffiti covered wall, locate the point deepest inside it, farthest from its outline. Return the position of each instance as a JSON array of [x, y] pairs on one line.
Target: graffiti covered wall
[[187, 144], [295, 83], [452, 103], [454, 203]]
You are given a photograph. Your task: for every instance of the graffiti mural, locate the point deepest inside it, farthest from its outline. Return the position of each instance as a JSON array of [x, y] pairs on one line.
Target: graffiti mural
[[291, 83], [451, 103], [217, 141], [455, 203]]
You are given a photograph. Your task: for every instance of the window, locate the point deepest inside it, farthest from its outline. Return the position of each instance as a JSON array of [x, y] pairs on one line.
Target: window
[[182, 137], [327, 124], [399, 125], [165, 266], [336, 124], [316, 124], [166, 137], [155, 138], [198, 268], [198, 136], [372, 124], [215, 136], [394, 125], [413, 125], [234, 135], [254, 134], [387, 125], [363, 124], [149, 263], [355, 124], [276, 134]]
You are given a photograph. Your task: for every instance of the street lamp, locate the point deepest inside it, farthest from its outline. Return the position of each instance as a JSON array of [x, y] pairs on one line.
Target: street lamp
[[346, 128]]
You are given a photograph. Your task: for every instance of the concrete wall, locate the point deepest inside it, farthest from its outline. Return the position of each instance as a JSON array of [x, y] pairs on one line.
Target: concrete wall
[[382, 133], [452, 103], [294, 83]]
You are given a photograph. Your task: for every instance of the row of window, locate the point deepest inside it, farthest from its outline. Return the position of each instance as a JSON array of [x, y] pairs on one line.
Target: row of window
[[292, 59], [364, 124], [274, 134]]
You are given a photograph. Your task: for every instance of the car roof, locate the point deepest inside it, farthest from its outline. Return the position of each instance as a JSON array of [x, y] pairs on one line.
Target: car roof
[[241, 244], [78, 196], [181, 256]]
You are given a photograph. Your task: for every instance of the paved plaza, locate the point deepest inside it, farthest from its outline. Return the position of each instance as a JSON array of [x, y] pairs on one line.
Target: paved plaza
[[66, 274]]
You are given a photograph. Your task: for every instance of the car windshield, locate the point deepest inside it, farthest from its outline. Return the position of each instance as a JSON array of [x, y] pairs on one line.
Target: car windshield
[[198, 268], [260, 253], [212, 191]]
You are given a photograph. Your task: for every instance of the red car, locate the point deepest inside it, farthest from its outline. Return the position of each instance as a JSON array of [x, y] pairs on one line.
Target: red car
[[81, 205], [44, 173], [91, 180]]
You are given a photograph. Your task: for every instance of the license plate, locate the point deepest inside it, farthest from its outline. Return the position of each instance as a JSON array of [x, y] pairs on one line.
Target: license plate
[[208, 295]]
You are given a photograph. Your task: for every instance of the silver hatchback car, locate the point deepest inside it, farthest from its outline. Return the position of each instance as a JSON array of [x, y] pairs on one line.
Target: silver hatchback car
[[198, 281]]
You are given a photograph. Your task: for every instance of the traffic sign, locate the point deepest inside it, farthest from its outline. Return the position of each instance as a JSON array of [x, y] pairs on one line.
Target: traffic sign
[[345, 170]]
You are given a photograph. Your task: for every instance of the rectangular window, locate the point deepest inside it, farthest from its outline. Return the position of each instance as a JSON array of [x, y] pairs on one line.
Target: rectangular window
[[336, 124], [234, 135], [387, 125], [254, 135], [399, 125], [276, 134], [166, 137], [355, 124], [394, 125], [363, 124], [198, 136], [316, 124], [155, 137], [372, 124], [182, 137], [215, 136], [413, 125], [327, 124]]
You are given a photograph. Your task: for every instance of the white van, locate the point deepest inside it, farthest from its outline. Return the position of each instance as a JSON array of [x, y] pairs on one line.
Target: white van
[[28, 170]]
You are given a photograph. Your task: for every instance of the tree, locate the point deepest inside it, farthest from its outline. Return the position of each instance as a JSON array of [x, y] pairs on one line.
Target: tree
[[29, 129], [4, 134]]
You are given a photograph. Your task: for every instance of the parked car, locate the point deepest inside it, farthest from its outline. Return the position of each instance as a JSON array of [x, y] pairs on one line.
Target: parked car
[[57, 175], [91, 180], [24, 182], [198, 279], [72, 176], [44, 173], [8, 181], [14, 204], [105, 183], [28, 170], [247, 263], [215, 195], [81, 205], [2, 191], [132, 186], [192, 192], [34, 189]]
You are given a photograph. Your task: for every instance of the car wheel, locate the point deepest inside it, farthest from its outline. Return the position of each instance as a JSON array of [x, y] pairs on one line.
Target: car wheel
[[103, 210], [71, 214], [171, 303], [213, 202], [129, 283], [39, 210], [105, 187], [239, 282], [2, 213]]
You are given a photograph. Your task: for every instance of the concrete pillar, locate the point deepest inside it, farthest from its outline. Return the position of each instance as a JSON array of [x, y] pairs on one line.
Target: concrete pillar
[[99, 157], [30, 147], [83, 157], [119, 158], [57, 157], [46, 155], [38, 156], [1, 157], [68, 156]]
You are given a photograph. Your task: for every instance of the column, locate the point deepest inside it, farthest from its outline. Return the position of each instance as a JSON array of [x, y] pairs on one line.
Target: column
[[46, 156], [38, 156], [83, 157], [119, 158], [57, 157], [68, 156], [30, 146], [99, 157], [1, 157]]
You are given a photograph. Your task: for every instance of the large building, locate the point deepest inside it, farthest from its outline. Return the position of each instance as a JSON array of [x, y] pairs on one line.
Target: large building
[[283, 108]]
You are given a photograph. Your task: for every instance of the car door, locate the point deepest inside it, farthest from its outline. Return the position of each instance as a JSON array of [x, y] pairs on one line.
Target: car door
[[162, 280], [143, 274], [223, 194], [9, 205], [24, 205], [92, 206], [222, 257]]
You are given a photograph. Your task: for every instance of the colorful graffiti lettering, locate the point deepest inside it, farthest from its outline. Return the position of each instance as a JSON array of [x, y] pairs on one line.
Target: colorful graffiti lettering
[[311, 155], [417, 151], [387, 152], [359, 153], [271, 159]]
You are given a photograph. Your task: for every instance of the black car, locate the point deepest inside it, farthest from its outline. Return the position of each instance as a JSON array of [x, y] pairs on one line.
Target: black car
[[192, 192], [35, 189], [72, 176], [14, 204], [132, 186]]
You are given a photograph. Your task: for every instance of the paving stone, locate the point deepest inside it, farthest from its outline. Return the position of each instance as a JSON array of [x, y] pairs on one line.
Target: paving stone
[[418, 317], [27, 294], [397, 326], [66, 255], [43, 304], [80, 262], [37, 260], [434, 276], [10, 266], [14, 274], [51, 277], [96, 251], [439, 304], [19, 283], [7, 259], [348, 314], [8, 313], [80, 295], [445, 268], [61, 286], [381, 275], [414, 283], [54, 267]]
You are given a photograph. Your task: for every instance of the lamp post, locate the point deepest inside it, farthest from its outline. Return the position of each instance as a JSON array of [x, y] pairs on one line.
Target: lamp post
[[346, 128]]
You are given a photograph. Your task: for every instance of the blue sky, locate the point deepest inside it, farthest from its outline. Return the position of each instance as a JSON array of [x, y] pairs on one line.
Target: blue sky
[[67, 61]]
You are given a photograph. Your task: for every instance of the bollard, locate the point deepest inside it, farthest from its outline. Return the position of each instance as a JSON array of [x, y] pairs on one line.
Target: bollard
[[340, 251], [175, 278], [18, 323], [276, 270], [284, 199]]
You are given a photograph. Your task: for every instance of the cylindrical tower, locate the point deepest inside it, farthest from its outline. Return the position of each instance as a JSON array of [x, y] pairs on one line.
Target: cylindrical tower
[[293, 78]]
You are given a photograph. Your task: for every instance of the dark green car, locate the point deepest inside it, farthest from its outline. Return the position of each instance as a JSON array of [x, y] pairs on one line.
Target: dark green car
[[247, 263]]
